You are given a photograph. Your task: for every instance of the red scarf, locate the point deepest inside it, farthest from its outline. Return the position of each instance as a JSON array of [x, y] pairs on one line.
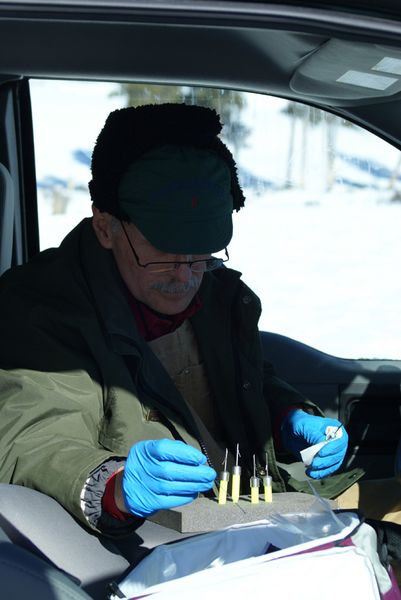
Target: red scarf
[[152, 324]]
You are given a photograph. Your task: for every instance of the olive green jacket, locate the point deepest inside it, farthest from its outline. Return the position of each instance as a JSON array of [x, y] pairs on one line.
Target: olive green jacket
[[79, 386]]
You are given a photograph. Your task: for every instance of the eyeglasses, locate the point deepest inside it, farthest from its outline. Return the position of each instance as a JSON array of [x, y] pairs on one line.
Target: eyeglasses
[[197, 266]]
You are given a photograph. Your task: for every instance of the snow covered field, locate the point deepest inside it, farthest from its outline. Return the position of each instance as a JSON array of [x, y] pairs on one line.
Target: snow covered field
[[325, 263]]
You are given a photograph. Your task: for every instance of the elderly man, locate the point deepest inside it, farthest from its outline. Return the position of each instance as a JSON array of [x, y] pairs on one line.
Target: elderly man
[[131, 355]]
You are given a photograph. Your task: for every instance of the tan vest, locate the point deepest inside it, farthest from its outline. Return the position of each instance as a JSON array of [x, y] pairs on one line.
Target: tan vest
[[179, 354]]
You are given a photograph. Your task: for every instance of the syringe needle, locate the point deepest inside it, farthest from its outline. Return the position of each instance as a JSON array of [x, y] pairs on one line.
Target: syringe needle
[[224, 478], [235, 486], [267, 482]]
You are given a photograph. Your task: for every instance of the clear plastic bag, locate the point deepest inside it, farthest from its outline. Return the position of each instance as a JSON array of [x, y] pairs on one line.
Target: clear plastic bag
[[319, 522], [238, 545]]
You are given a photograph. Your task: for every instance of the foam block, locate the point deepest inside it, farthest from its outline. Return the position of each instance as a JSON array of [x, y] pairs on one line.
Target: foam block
[[205, 514]]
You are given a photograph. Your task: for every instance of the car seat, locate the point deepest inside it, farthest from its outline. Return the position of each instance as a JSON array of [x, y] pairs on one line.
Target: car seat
[[24, 575], [36, 525]]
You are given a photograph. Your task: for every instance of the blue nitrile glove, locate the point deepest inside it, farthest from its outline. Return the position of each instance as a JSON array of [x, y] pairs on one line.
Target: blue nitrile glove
[[163, 474], [300, 430]]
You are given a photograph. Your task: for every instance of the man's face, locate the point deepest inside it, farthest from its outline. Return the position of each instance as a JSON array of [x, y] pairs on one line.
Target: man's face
[[167, 292]]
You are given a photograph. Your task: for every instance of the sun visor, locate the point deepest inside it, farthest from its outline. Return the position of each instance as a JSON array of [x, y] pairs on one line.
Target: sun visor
[[342, 70]]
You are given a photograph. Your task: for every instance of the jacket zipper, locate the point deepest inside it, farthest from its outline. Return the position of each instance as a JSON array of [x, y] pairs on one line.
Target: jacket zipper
[[205, 452]]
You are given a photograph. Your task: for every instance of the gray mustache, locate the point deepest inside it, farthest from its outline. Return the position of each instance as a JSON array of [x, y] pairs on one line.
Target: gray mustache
[[175, 287]]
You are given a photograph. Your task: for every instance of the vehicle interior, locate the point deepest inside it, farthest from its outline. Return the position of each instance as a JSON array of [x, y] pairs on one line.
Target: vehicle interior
[[343, 59]]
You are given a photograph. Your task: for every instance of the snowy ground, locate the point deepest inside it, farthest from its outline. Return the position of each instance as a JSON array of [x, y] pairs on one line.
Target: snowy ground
[[325, 264]]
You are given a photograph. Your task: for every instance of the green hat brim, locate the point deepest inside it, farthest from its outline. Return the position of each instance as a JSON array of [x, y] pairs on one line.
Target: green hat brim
[[196, 237]]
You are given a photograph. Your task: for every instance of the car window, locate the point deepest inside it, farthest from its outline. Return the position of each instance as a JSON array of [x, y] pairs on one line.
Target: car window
[[319, 237]]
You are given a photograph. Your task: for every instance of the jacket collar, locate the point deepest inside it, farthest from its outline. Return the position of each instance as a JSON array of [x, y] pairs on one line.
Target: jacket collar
[[108, 292]]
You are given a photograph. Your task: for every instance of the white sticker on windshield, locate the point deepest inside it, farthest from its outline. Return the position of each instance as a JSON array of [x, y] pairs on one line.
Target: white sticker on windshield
[[367, 80], [388, 65]]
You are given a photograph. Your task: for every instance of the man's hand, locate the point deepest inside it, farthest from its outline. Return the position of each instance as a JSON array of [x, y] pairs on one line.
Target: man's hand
[[300, 430], [162, 474]]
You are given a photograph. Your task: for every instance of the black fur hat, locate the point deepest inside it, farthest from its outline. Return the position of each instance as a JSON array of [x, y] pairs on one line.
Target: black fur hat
[[130, 132]]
